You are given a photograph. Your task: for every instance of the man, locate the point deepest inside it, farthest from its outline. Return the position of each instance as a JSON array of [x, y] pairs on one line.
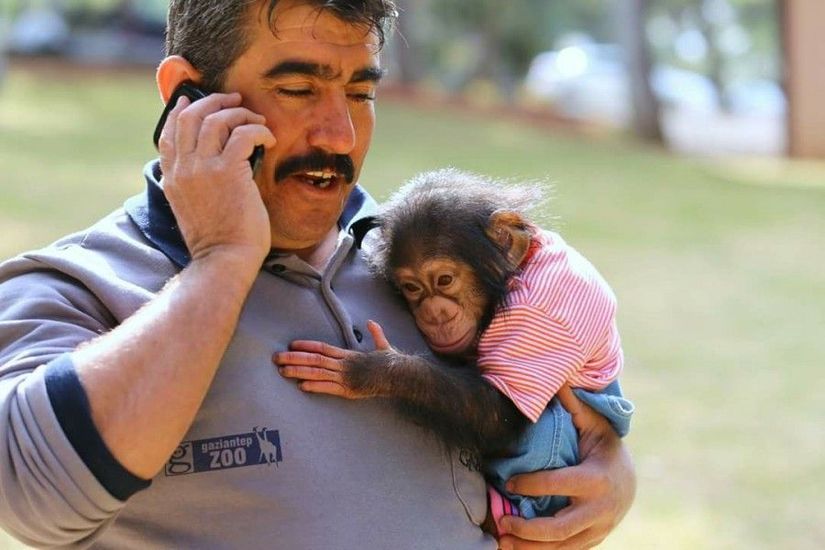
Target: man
[[141, 348]]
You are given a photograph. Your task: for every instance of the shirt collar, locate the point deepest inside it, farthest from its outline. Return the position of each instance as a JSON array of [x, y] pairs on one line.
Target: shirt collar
[[151, 212]]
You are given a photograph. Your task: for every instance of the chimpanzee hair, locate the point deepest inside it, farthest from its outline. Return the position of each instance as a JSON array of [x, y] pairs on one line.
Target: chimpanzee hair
[[445, 213]]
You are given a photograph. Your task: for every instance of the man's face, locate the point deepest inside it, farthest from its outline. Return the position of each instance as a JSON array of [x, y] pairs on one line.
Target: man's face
[[314, 80]]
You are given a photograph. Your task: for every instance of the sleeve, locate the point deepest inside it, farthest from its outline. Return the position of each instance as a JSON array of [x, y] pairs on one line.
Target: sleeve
[[528, 356], [59, 485]]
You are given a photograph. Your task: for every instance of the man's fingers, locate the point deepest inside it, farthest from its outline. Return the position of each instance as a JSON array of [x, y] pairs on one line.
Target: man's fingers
[[570, 481], [217, 127], [586, 539], [584, 418], [570, 402], [549, 529], [313, 346], [244, 139], [190, 120], [513, 543], [166, 144], [381, 342]]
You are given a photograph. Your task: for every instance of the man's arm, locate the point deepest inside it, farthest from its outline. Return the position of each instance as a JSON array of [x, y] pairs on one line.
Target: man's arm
[[146, 379], [59, 483], [601, 489], [142, 382]]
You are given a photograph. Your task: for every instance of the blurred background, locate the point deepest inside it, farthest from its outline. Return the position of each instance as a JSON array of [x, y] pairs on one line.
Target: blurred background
[[683, 142]]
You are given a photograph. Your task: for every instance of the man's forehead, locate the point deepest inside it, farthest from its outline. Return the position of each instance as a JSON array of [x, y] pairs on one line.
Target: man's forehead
[[296, 21]]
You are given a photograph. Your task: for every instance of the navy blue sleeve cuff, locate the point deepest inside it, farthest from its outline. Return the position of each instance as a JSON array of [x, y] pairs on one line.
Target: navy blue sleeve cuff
[[71, 406]]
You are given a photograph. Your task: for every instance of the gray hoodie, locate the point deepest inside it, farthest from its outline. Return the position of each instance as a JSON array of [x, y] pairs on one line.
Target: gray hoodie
[[263, 464]]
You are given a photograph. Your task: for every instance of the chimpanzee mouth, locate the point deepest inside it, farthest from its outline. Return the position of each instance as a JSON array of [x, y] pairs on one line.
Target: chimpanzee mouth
[[456, 346]]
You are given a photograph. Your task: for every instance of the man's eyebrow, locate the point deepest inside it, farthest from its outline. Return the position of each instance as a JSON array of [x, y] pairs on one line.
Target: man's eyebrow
[[296, 67], [291, 67], [368, 74]]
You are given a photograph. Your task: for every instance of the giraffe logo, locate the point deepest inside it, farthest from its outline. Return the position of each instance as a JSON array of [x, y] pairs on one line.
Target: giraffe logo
[[270, 451]]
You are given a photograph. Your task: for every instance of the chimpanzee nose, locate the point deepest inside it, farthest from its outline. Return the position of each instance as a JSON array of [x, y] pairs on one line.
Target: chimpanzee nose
[[438, 310]]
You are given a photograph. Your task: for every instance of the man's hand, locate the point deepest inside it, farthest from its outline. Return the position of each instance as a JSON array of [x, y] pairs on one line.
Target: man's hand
[[204, 151], [322, 368], [601, 489]]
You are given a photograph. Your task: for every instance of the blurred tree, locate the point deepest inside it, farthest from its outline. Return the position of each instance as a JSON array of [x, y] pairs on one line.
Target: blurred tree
[[486, 40], [646, 121], [727, 40], [407, 52]]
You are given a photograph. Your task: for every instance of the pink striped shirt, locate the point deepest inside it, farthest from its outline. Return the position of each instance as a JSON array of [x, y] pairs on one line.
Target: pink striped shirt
[[558, 325]]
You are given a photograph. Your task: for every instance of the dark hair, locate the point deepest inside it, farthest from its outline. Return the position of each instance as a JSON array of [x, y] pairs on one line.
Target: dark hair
[[446, 213], [212, 34]]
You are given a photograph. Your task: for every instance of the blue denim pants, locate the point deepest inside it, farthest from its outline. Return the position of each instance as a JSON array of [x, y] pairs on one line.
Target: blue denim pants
[[551, 443]]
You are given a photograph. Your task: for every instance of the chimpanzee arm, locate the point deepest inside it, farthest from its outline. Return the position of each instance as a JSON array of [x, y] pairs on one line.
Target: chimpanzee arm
[[456, 403]]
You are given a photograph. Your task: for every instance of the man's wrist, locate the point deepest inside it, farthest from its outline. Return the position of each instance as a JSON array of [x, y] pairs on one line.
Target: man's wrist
[[234, 264]]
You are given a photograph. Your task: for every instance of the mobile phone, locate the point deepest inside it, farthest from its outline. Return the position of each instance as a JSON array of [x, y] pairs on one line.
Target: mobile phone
[[189, 90]]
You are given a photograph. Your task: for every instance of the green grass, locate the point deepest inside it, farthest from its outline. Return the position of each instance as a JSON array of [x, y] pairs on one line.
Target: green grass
[[719, 269]]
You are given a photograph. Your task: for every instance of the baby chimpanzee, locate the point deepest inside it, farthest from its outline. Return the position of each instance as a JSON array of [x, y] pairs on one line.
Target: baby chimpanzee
[[517, 310]]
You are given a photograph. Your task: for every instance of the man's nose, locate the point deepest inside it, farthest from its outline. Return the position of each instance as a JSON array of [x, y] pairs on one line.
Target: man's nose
[[333, 130]]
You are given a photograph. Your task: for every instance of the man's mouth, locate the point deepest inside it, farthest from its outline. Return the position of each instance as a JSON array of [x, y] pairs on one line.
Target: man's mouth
[[317, 168], [319, 178]]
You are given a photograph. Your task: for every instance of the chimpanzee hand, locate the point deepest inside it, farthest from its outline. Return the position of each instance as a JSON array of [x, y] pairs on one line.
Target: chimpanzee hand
[[323, 368], [601, 489]]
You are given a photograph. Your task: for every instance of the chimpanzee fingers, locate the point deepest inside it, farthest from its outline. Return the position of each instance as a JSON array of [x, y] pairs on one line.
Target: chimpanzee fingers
[[328, 388], [305, 359], [313, 346], [381, 342], [310, 373]]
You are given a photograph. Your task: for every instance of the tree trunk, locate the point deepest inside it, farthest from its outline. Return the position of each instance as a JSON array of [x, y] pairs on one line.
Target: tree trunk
[[716, 60], [406, 48], [646, 120]]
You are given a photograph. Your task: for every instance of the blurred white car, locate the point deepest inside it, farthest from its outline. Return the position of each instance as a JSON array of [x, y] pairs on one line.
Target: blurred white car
[[589, 81], [38, 30]]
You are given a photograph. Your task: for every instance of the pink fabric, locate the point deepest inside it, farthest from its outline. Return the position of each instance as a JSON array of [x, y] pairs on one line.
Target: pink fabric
[[558, 325], [499, 507]]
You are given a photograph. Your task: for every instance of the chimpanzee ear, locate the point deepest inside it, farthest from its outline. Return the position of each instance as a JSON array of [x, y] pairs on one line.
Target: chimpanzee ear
[[508, 229]]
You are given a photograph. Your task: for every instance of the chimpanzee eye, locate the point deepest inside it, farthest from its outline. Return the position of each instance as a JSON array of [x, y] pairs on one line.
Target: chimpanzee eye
[[445, 280], [411, 288]]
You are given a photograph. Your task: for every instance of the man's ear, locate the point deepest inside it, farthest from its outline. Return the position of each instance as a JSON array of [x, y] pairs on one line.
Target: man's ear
[[509, 230], [172, 71]]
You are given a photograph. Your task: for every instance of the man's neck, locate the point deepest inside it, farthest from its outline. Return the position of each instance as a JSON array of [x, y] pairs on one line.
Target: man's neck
[[318, 254]]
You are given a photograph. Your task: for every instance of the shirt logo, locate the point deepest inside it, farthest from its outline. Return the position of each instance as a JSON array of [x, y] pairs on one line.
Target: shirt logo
[[260, 446]]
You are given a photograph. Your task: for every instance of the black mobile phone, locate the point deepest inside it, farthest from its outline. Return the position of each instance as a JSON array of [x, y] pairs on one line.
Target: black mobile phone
[[189, 90]]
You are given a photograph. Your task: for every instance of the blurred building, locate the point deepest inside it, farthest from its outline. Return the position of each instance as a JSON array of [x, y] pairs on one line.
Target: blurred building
[[804, 21]]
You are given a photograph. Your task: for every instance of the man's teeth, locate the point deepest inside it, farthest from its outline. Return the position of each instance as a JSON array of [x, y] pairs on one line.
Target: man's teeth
[[325, 177]]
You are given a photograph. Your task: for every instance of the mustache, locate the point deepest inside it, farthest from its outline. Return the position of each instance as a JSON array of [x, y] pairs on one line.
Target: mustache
[[316, 161]]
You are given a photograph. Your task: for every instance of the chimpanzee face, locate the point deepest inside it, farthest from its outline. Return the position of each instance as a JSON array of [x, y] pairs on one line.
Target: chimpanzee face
[[446, 300]]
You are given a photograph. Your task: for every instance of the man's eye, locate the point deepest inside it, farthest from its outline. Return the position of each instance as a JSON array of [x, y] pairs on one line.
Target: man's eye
[[290, 92], [361, 98]]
